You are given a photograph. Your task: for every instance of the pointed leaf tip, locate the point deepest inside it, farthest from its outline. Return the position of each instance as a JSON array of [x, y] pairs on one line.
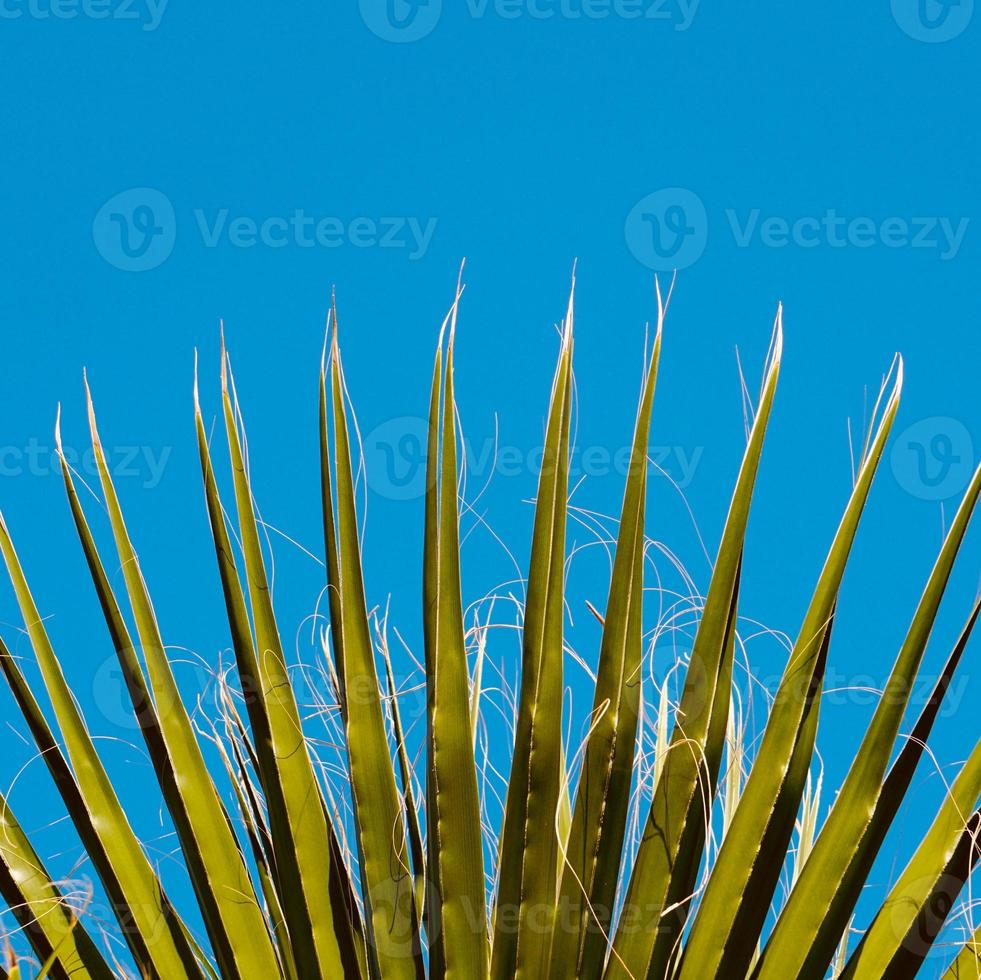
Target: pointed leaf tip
[[567, 326], [90, 412], [197, 401], [335, 344], [323, 349], [778, 334], [454, 311]]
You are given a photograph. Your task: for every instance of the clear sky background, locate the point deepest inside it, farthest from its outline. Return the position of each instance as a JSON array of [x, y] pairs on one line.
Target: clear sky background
[[167, 165]]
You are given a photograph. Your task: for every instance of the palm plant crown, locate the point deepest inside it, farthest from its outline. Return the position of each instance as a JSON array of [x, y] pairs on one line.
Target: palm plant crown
[[409, 887]]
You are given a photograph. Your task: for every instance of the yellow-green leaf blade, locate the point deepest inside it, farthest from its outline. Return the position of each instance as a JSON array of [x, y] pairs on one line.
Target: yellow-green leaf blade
[[527, 877], [667, 861], [239, 931], [805, 917], [298, 824], [456, 879], [146, 714], [740, 888], [392, 926], [892, 938], [599, 818], [158, 937], [40, 907]]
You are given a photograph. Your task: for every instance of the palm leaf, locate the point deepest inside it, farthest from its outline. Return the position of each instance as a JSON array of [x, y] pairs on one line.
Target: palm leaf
[[416, 848], [805, 918], [736, 899], [910, 917], [529, 845], [238, 932], [392, 925], [159, 943], [664, 871], [455, 893], [320, 933], [599, 819], [50, 923]]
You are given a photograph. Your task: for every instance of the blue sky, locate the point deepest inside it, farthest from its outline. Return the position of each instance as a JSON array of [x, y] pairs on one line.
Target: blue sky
[[167, 165]]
